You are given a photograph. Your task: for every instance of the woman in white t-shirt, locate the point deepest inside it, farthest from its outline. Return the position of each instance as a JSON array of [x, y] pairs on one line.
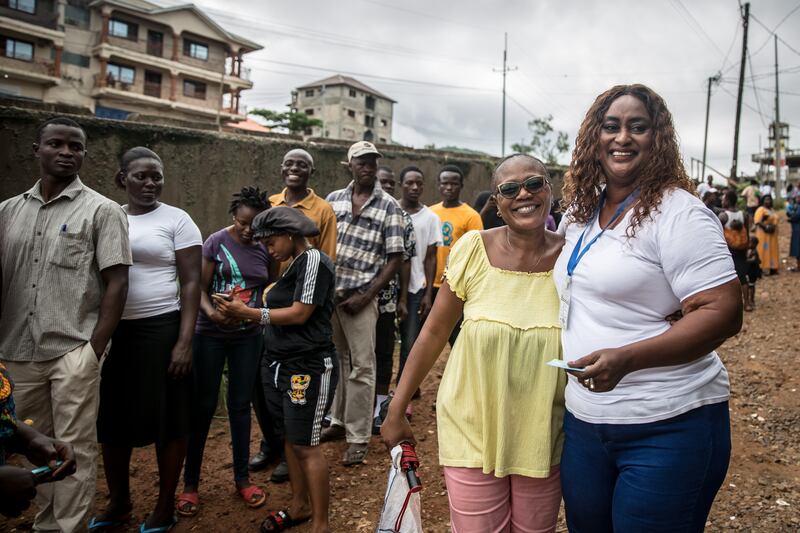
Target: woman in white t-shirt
[[146, 385], [647, 426]]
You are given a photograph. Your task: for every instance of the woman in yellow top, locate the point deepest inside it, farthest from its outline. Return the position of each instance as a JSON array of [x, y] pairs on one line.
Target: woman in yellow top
[[766, 222], [499, 408]]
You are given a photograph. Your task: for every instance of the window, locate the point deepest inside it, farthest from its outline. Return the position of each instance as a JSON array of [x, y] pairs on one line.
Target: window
[[309, 111], [152, 83], [125, 30], [194, 89], [369, 121], [71, 58], [382, 140], [370, 102], [307, 131], [76, 16], [17, 49], [120, 73], [310, 92], [155, 43], [27, 6], [384, 123], [351, 113], [352, 93], [195, 49]]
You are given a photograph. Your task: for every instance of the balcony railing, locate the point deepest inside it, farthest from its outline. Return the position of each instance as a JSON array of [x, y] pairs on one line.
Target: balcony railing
[[37, 67], [152, 89]]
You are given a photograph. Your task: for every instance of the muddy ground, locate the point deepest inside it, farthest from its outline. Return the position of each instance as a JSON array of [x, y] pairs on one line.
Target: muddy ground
[[761, 493]]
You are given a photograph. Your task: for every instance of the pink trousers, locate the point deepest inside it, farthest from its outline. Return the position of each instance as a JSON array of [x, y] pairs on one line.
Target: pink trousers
[[482, 503]]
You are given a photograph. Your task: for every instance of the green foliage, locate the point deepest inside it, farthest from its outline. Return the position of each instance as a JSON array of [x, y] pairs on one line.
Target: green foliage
[[546, 143], [291, 121]]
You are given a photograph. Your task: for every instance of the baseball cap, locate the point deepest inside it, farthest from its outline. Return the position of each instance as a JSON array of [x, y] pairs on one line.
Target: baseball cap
[[362, 148]]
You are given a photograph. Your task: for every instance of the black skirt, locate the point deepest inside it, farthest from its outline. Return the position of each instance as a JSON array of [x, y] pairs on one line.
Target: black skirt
[[140, 404]]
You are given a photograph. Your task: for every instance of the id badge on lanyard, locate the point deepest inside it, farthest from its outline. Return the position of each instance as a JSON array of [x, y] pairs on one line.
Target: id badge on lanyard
[[578, 253]]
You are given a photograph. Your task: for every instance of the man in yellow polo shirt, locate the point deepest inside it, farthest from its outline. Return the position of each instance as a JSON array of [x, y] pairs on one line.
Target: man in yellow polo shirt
[[457, 218], [296, 169]]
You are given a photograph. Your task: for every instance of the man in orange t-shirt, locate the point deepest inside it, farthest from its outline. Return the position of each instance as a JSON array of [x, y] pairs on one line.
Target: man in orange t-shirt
[[457, 218]]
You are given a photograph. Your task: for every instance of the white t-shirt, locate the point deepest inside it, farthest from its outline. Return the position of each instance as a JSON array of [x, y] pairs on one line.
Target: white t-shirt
[[623, 289], [153, 279], [427, 230]]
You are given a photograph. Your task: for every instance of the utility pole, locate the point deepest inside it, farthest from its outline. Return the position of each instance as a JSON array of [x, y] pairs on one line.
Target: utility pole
[[777, 127], [505, 70], [745, 22], [712, 79]]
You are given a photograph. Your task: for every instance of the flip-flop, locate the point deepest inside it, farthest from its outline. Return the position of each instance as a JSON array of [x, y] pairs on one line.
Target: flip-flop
[[143, 529], [192, 498], [95, 524], [281, 521], [355, 455], [254, 496]]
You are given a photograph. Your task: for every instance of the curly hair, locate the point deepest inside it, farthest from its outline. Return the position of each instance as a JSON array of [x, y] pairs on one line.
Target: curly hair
[[249, 197], [662, 171]]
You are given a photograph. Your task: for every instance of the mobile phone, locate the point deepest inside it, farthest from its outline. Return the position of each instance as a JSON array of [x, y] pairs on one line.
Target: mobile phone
[[559, 363], [224, 295], [42, 474]]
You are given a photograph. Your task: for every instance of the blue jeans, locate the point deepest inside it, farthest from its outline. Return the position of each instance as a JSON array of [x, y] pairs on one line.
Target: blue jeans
[[656, 477], [409, 328], [208, 362]]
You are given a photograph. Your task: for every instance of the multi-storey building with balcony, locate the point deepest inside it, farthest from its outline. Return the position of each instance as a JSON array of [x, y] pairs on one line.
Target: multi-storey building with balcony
[[118, 57], [349, 110]]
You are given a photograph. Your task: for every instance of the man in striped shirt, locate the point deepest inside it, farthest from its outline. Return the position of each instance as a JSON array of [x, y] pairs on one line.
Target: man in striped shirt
[[369, 250]]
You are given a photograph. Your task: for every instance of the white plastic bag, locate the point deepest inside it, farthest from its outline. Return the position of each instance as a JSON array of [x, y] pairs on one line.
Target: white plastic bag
[[402, 510]]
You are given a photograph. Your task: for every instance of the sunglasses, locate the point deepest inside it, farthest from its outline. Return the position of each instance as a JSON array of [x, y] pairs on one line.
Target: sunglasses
[[511, 189]]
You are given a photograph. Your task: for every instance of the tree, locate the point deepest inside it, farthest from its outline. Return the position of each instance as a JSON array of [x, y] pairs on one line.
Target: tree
[[546, 144], [292, 121]]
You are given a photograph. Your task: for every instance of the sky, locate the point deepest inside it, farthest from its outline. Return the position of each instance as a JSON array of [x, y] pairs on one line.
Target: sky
[[441, 61]]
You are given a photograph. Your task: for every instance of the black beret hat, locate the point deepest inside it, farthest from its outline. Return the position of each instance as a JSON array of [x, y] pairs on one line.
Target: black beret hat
[[282, 220]]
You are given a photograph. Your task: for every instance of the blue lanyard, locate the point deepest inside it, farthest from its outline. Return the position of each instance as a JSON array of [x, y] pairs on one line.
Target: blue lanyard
[[577, 252]]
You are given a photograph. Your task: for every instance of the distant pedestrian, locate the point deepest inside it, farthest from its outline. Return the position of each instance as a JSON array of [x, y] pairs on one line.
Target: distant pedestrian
[[766, 223], [487, 208], [457, 218], [369, 252], [735, 223], [753, 273], [752, 198], [153, 341], [236, 266], [64, 256], [793, 214], [705, 187]]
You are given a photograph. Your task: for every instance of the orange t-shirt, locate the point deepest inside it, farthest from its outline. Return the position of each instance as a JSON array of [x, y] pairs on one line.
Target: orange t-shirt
[[456, 221]]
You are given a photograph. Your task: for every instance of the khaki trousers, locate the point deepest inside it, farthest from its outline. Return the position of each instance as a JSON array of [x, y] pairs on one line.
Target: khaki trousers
[[61, 396], [354, 337]]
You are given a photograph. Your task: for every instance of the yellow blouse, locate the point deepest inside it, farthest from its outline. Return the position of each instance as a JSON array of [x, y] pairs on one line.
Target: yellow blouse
[[499, 407]]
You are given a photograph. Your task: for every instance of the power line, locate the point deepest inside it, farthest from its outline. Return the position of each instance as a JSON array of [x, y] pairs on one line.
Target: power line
[[694, 24], [755, 91]]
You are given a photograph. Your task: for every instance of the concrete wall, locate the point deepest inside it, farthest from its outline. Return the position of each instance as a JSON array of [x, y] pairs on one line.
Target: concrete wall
[[203, 168]]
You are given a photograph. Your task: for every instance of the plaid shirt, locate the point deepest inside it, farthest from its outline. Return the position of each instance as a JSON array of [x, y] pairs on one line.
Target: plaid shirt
[[364, 241]]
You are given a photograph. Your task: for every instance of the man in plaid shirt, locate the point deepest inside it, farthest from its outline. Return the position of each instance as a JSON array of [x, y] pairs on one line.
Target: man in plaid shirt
[[369, 250]]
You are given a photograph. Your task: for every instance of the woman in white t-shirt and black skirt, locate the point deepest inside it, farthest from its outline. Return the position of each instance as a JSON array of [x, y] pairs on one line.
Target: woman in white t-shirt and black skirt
[[300, 370], [146, 385], [647, 427]]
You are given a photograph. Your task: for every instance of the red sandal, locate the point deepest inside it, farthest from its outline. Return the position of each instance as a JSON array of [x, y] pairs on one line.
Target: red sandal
[[254, 496]]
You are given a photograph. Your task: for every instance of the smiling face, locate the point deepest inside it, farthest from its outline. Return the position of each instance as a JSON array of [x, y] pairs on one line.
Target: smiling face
[[626, 140], [296, 168], [528, 210], [143, 182], [364, 169], [450, 185], [413, 185], [60, 151]]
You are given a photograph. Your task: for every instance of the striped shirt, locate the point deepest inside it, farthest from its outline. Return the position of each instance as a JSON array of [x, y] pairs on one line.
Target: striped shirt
[[51, 255], [363, 242]]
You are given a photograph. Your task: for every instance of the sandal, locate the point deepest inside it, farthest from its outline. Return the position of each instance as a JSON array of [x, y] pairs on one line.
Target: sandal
[[187, 504], [253, 496], [355, 454], [160, 529], [96, 524], [280, 521]]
